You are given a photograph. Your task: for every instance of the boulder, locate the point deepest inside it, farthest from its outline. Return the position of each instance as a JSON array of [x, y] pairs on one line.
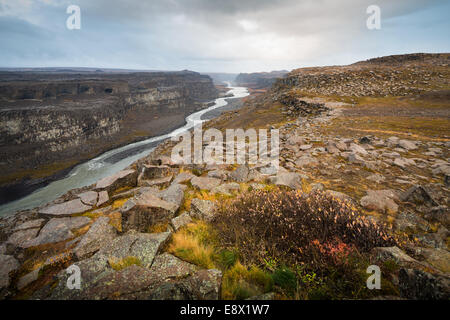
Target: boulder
[[57, 230], [19, 238], [332, 148], [306, 147], [174, 194], [418, 195], [377, 178], [226, 188], [438, 258], [306, 160], [89, 198], [145, 211], [103, 198], [341, 146], [126, 284], [8, 264], [380, 200], [143, 246], [92, 270], [116, 181], [407, 144], [100, 233], [355, 148], [203, 183], [180, 221], [339, 195], [155, 172], [420, 285], [267, 170], [168, 267], [65, 209], [28, 279], [205, 284], [240, 174], [395, 254], [183, 177], [411, 223], [31, 224], [202, 209], [289, 179], [163, 182], [392, 141], [219, 174]]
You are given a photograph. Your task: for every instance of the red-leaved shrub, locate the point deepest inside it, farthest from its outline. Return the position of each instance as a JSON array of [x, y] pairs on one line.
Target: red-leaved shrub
[[296, 227]]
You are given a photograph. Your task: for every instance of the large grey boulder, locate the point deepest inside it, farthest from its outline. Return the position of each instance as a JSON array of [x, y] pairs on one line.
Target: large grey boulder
[[380, 200], [65, 209], [418, 195], [163, 182], [103, 198], [183, 177], [407, 144], [31, 224], [173, 194], [355, 148], [100, 233], [155, 172], [240, 174], [143, 246], [19, 238], [57, 230], [289, 179], [91, 270], [205, 284], [145, 211], [226, 188], [8, 264], [89, 198], [120, 179], [168, 267], [180, 221]]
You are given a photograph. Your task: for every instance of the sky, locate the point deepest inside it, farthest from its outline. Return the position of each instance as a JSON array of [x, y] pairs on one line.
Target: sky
[[216, 35]]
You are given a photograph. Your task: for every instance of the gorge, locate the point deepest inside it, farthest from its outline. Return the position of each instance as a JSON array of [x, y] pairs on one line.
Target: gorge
[[51, 121]]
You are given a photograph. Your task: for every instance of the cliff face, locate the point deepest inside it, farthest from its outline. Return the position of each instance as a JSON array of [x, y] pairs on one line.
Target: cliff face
[[49, 122]]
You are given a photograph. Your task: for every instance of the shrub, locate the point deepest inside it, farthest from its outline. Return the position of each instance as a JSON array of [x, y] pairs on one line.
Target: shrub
[[296, 228]]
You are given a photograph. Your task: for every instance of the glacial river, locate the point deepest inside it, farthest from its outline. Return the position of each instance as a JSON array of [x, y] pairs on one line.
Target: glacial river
[[109, 162]]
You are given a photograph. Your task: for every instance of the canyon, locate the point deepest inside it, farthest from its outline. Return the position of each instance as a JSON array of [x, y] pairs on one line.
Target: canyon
[[51, 121]]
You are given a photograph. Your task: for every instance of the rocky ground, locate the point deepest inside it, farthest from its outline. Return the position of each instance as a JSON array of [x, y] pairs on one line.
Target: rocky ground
[[128, 234]]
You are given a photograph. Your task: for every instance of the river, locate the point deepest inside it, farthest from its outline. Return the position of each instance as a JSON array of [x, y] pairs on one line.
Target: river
[[109, 162]]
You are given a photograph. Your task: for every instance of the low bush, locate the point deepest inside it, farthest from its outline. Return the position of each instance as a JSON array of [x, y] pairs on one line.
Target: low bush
[[296, 228]]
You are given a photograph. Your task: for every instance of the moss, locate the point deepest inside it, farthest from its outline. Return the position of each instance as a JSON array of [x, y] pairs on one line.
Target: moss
[[240, 282], [119, 203]]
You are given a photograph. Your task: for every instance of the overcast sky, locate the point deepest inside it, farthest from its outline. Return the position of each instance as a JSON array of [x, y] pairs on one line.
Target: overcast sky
[[216, 35]]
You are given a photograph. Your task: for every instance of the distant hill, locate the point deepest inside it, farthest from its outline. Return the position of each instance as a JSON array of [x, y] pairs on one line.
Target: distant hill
[[259, 80], [221, 78]]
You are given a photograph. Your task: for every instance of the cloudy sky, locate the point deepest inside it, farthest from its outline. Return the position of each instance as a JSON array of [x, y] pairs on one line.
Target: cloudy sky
[[216, 35]]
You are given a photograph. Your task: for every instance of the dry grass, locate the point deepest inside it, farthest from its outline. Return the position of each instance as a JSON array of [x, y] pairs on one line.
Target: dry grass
[[119, 264], [195, 244]]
